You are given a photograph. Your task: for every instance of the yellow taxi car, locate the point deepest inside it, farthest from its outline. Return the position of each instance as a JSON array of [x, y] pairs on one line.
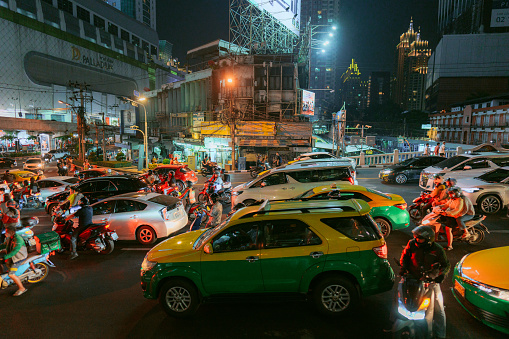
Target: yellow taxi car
[[388, 210], [329, 251], [20, 176], [481, 286]]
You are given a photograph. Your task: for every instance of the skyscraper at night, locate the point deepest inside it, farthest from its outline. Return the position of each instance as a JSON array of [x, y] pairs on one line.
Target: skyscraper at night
[[324, 73], [141, 10], [379, 88], [353, 90], [411, 66]]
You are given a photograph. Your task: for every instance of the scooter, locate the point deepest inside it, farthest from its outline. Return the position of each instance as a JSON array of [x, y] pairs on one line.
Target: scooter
[[33, 201], [33, 270], [416, 210], [198, 215], [415, 306], [209, 170], [255, 170], [475, 228]]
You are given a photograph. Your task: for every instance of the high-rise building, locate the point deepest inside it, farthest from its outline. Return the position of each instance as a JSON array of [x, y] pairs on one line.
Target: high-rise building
[[324, 73], [165, 50], [472, 16], [354, 91], [379, 88], [141, 10], [412, 54]]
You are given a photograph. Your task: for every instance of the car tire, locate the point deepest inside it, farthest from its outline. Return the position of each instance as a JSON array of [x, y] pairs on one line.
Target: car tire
[[181, 186], [385, 226], [51, 208], [179, 298], [335, 296], [490, 204], [401, 179], [146, 235]]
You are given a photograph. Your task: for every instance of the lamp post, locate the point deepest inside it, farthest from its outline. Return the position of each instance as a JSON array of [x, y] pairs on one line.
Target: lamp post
[[145, 134], [310, 46], [81, 139]]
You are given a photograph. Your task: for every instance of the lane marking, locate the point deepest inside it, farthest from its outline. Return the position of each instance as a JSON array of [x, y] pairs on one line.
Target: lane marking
[[365, 178], [499, 231], [135, 249]]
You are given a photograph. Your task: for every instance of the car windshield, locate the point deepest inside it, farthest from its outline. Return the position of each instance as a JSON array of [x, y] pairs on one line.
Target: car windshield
[[205, 236], [71, 180], [451, 162], [26, 175], [495, 176], [33, 161]]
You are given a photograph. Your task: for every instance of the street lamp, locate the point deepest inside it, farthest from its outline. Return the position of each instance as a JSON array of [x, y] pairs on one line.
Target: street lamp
[[145, 134]]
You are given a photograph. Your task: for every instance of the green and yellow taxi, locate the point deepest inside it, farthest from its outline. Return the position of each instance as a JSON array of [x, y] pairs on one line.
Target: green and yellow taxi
[[388, 210], [21, 176], [331, 252], [481, 286]]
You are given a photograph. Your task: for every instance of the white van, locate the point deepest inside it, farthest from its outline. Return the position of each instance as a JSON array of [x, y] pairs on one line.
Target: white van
[[462, 166], [292, 180]]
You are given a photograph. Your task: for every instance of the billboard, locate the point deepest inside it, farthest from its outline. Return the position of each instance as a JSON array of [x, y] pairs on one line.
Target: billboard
[[308, 103], [500, 13], [44, 138], [287, 12]]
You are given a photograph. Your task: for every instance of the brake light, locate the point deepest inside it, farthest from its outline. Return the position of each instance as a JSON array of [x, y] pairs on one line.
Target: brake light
[[401, 206], [107, 226], [381, 251], [164, 213]]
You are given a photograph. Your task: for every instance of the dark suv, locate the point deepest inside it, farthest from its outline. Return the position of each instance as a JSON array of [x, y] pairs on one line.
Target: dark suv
[[96, 189]]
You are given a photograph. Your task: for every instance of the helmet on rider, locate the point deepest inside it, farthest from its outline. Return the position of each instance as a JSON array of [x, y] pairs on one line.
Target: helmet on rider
[[454, 192], [424, 232], [84, 201], [450, 182], [189, 184], [150, 172], [437, 179], [214, 197]]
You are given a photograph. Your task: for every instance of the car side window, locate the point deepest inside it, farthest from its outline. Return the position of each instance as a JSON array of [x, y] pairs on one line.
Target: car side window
[[288, 233], [361, 228], [273, 179], [237, 238], [105, 185], [105, 207], [43, 184], [87, 187], [50, 184], [352, 195], [421, 162], [502, 162], [435, 160], [477, 163], [129, 206]]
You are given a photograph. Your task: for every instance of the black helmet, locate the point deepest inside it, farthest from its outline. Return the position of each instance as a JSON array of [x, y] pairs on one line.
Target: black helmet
[[84, 201], [452, 181], [456, 191], [424, 232], [150, 172], [189, 183], [214, 197]]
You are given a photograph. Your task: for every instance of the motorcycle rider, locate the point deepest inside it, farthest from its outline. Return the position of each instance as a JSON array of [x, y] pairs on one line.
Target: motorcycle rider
[[14, 252], [151, 178], [189, 196], [418, 257], [449, 182], [86, 165], [215, 182], [205, 164], [8, 177], [437, 193], [9, 214], [452, 210], [468, 213], [216, 212], [84, 214]]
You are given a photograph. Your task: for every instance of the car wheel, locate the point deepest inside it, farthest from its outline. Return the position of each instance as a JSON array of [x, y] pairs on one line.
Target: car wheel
[[146, 235], [179, 298], [51, 209], [248, 202], [335, 296], [384, 225], [490, 204], [401, 179], [476, 237], [181, 186]]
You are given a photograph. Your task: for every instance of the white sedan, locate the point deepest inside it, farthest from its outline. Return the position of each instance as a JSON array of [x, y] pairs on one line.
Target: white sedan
[[141, 216], [33, 164], [489, 191], [54, 185]]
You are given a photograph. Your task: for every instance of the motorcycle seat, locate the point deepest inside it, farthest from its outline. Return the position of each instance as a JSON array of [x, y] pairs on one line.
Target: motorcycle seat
[[31, 257]]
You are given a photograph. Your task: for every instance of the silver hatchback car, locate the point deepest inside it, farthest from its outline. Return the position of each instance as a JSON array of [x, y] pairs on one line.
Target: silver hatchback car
[[141, 216]]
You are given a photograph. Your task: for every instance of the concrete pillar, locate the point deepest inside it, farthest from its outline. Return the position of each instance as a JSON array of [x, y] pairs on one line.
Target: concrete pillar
[[459, 150], [395, 160], [362, 159]]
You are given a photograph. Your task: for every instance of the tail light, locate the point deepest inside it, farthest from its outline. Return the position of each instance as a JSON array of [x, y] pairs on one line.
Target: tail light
[[401, 206], [164, 213], [381, 251], [107, 226]]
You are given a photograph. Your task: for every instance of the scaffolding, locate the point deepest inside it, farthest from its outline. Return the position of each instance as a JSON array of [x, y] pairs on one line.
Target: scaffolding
[[258, 31]]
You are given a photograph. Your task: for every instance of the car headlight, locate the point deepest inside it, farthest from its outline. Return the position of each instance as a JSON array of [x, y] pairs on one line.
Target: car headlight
[[39, 165], [237, 192], [472, 189], [386, 171], [147, 265]]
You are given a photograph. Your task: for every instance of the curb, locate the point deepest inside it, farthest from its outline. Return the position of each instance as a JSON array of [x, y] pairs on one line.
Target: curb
[[372, 166]]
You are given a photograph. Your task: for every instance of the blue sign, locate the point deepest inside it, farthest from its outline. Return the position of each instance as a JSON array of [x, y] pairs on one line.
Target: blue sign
[[136, 93]]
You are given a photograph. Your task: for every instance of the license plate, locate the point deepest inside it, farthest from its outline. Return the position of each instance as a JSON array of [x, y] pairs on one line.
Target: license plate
[[114, 235], [460, 289]]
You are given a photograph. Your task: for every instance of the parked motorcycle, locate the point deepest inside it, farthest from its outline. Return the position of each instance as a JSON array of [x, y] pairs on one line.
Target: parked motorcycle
[[225, 194], [415, 306], [97, 237], [474, 227], [416, 210], [255, 170]]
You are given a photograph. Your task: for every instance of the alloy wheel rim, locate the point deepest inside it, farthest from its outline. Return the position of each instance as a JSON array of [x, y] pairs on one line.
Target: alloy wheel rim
[[490, 205], [384, 227], [178, 299], [146, 235], [400, 179], [335, 298]]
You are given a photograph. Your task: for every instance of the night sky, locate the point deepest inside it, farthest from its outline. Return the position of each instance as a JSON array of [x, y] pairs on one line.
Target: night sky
[[369, 30]]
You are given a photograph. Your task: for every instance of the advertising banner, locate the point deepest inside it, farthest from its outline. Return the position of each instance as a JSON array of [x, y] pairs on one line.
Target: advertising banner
[[44, 143], [308, 103], [214, 128], [285, 11], [500, 13], [256, 128]]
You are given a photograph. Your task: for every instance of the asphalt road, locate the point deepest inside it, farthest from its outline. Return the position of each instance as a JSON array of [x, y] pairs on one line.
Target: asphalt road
[[100, 296]]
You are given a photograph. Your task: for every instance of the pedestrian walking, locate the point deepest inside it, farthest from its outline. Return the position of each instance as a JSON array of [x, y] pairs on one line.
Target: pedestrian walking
[[427, 150], [441, 152], [437, 149]]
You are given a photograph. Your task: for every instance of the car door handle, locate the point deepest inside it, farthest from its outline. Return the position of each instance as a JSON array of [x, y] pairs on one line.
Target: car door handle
[[291, 188], [316, 255], [252, 258], [283, 188]]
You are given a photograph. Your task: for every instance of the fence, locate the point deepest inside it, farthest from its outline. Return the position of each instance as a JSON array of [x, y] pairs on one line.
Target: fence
[[394, 158]]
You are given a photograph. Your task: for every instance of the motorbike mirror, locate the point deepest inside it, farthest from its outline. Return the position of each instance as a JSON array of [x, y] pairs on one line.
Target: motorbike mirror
[[208, 248]]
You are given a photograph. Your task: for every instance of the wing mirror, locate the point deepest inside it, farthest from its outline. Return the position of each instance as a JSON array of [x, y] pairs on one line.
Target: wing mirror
[[208, 248], [466, 168], [263, 184]]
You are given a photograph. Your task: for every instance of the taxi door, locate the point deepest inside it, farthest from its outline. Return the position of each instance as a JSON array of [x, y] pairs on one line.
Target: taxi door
[[234, 264], [290, 251]]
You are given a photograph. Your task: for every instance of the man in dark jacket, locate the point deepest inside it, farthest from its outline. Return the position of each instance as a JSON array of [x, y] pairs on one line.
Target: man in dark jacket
[[14, 253], [84, 214], [422, 255]]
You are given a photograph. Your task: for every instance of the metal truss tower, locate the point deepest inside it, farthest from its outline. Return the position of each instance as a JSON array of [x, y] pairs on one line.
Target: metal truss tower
[[257, 31]]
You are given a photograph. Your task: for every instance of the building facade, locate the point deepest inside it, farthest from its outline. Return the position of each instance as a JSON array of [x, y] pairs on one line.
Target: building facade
[[323, 66], [48, 44], [353, 90], [379, 88], [475, 122], [412, 54], [142, 10]]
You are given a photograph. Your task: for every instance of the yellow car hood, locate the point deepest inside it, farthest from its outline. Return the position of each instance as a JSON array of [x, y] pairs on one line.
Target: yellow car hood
[[489, 267], [174, 247]]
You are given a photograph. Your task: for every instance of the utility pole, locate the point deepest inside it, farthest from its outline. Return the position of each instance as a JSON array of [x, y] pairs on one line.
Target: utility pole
[[231, 115], [81, 122]]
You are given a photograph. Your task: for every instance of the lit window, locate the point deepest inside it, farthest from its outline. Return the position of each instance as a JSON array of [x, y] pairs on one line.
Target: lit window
[[329, 69]]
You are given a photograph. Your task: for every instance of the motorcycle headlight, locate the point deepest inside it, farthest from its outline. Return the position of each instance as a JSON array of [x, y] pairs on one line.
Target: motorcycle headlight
[[147, 265], [417, 315]]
